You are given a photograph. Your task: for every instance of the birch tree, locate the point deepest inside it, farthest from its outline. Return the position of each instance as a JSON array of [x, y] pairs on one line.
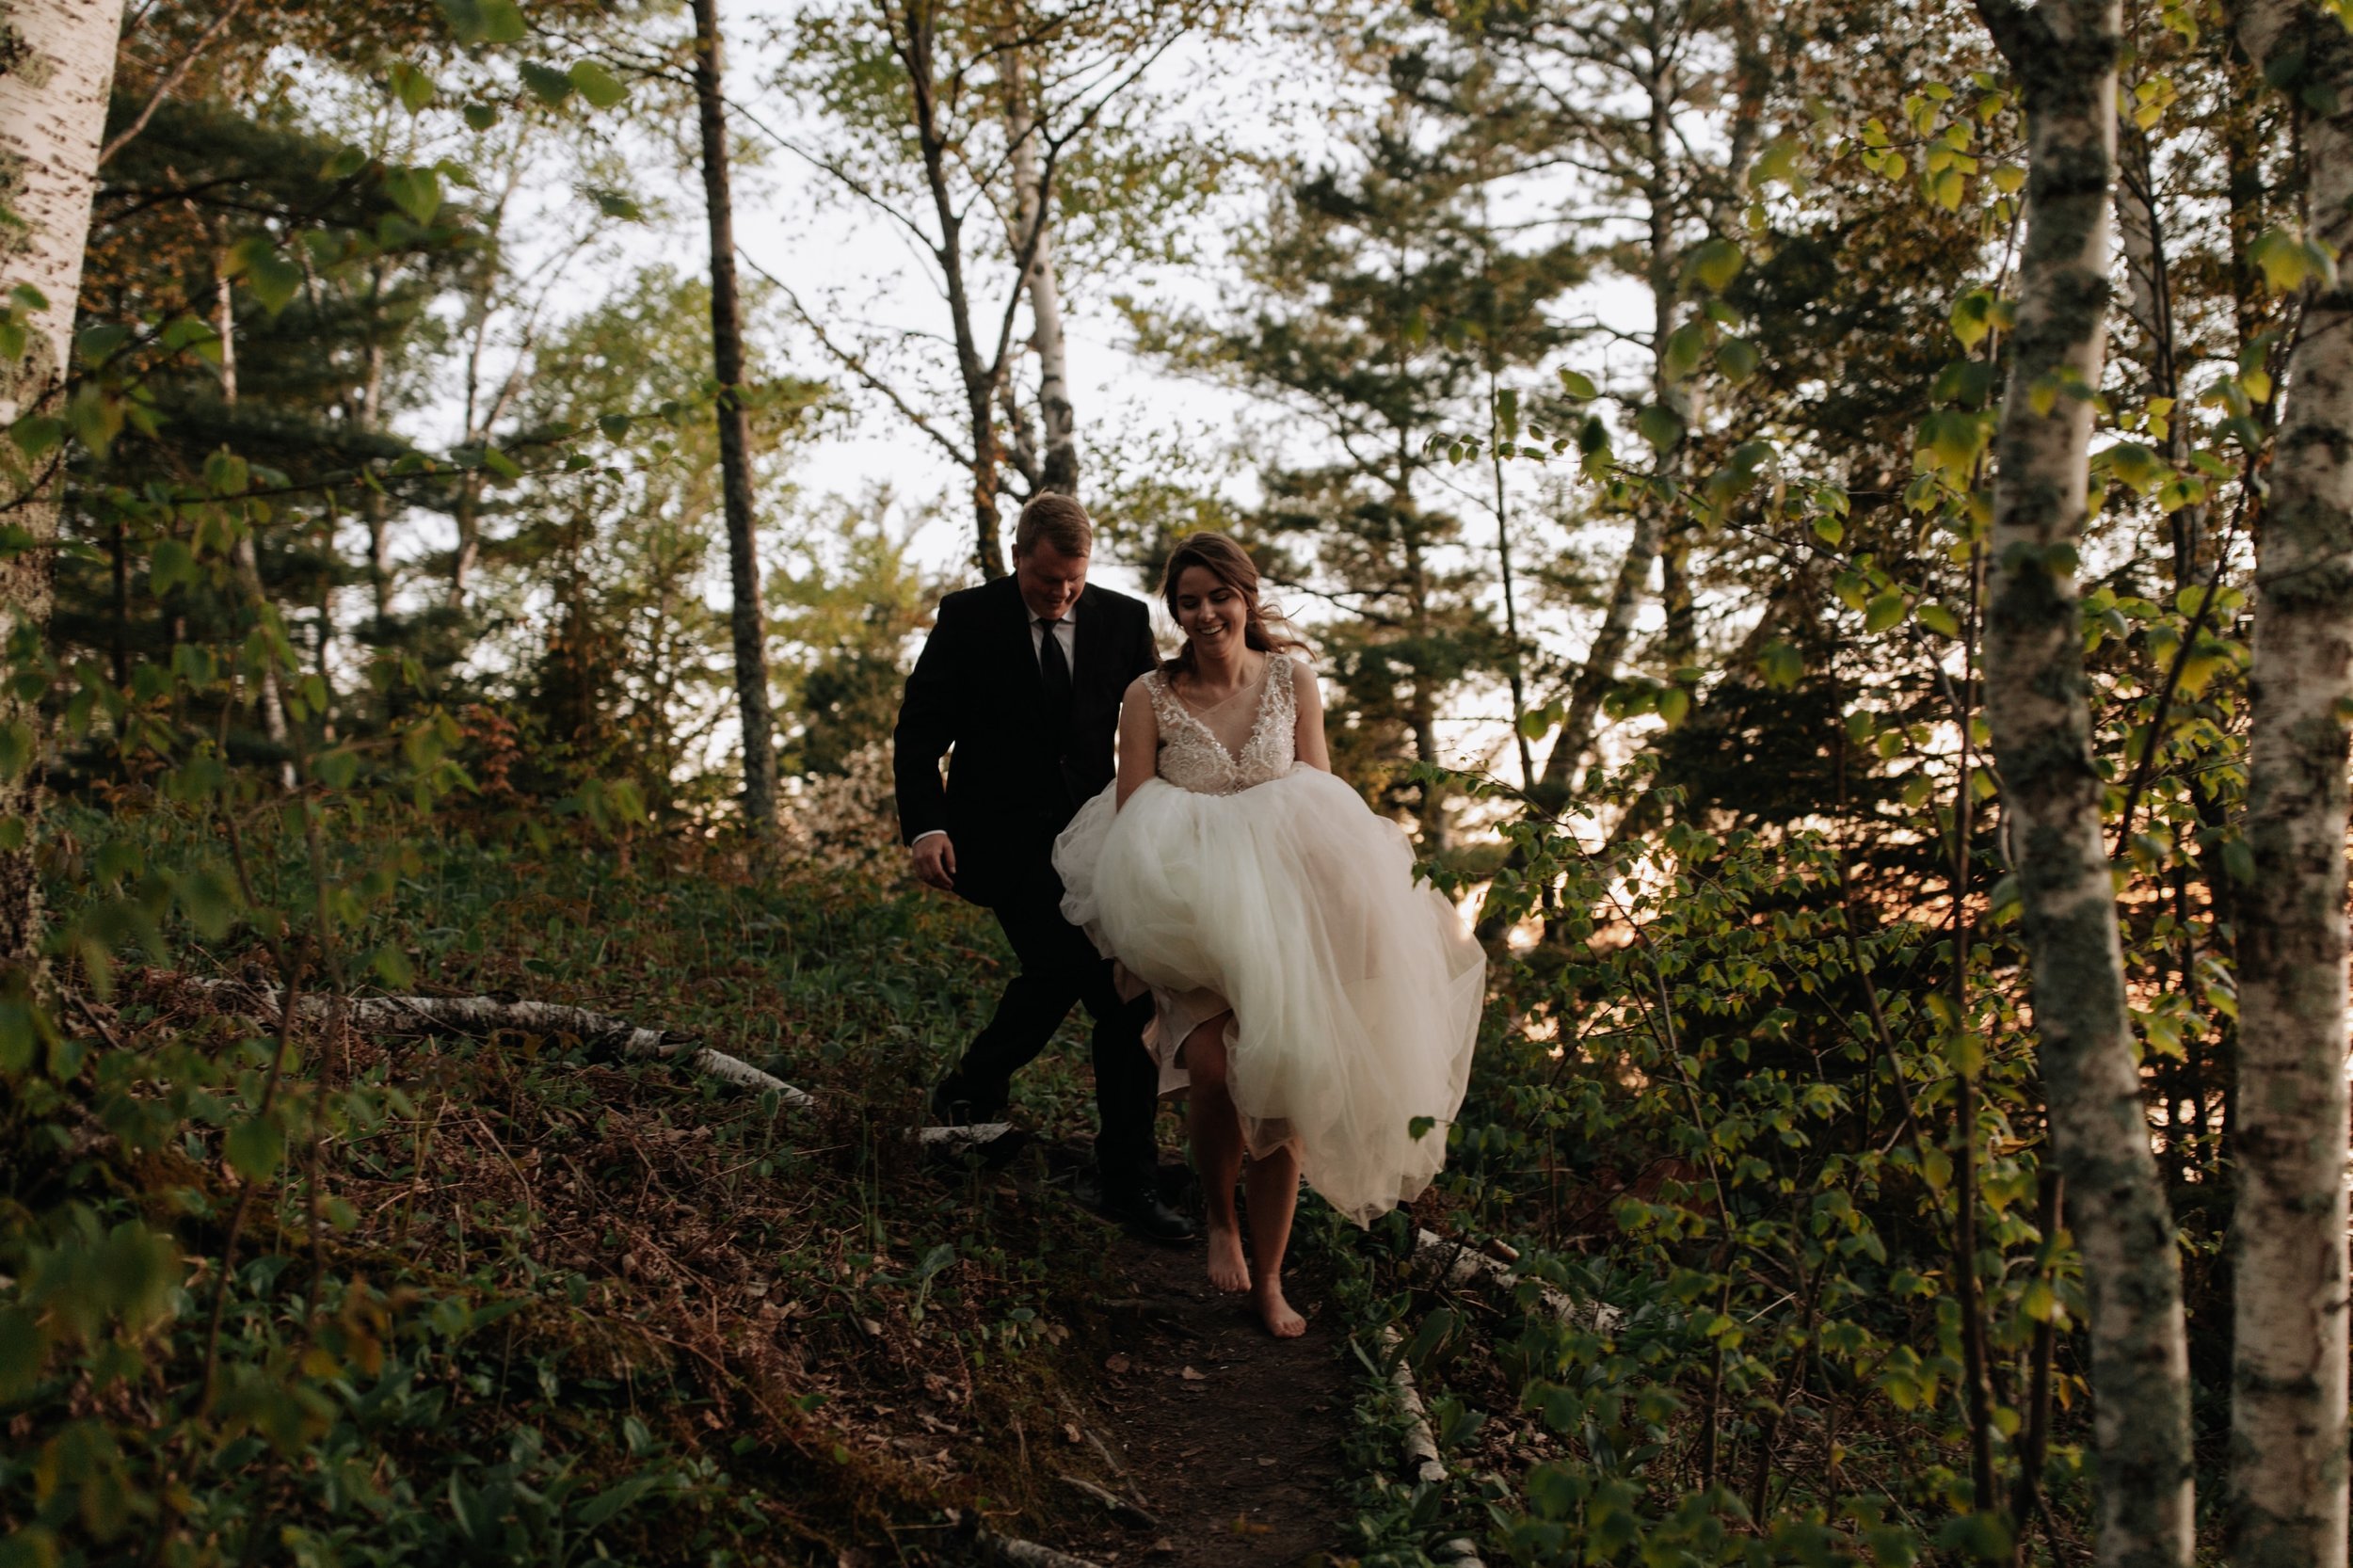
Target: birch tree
[[52, 107], [2063, 56], [965, 121], [727, 344], [2287, 1479], [1609, 91]]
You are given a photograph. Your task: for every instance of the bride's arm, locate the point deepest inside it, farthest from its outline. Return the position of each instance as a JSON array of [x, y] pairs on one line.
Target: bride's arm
[[1309, 743], [1139, 740]]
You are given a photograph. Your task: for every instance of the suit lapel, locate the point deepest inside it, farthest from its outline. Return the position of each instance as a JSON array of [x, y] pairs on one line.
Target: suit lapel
[[1085, 613]]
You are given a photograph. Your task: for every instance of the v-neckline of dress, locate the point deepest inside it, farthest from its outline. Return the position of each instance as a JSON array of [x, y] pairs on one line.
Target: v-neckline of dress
[[1266, 679]]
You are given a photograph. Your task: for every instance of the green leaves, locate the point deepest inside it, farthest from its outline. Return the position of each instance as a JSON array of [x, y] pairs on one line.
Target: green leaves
[[1737, 359], [1972, 316], [1713, 262], [598, 86], [17, 748], [23, 1347], [208, 897], [414, 191], [2133, 465], [1659, 424], [479, 22], [1951, 440], [2290, 261], [1536, 723], [1685, 347], [273, 280], [411, 89], [255, 1147], [169, 564]]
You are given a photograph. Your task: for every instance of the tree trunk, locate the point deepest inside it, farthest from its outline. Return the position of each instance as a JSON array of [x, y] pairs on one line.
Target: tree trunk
[[244, 554], [2288, 1501], [372, 499], [1626, 597], [52, 108], [981, 377], [1033, 216], [1421, 711], [2063, 54], [727, 352]]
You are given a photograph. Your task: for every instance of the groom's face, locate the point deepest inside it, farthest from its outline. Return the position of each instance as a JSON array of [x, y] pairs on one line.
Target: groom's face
[[1049, 581]]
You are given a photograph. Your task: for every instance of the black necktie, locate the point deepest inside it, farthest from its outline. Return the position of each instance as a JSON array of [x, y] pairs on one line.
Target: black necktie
[[1053, 671]]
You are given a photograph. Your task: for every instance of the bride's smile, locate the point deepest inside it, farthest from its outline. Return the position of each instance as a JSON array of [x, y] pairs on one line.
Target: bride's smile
[[1212, 616]]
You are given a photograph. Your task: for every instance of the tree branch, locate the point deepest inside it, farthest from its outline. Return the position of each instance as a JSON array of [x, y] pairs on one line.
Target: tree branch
[[171, 79]]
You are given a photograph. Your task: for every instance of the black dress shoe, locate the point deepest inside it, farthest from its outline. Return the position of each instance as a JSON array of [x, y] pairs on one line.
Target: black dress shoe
[[957, 1103], [1146, 1214]]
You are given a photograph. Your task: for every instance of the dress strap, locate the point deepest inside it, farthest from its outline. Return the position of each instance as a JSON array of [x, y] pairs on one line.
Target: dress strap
[[1156, 687]]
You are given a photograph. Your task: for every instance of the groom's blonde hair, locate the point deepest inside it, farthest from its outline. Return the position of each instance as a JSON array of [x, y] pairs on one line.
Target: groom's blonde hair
[[1057, 519]]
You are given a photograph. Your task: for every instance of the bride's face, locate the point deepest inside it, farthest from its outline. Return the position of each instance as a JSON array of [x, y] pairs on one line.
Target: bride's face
[[1211, 615]]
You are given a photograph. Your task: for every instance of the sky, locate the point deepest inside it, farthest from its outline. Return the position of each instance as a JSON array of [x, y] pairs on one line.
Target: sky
[[1262, 94]]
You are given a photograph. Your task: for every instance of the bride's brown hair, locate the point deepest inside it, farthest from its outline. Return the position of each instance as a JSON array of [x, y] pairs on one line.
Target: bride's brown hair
[[1265, 629]]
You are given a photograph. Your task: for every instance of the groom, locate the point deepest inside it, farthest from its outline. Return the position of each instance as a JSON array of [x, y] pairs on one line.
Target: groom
[[1022, 678]]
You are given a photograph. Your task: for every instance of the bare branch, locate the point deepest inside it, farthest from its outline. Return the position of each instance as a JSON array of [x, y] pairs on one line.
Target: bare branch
[[856, 364], [171, 79]]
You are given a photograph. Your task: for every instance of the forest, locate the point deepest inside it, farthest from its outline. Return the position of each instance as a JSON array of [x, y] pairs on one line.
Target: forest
[[1829, 523]]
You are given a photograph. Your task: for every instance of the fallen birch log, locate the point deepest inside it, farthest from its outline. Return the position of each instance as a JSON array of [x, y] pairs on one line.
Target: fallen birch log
[[949, 1137], [1421, 1446], [476, 1017], [1466, 1265], [1005, 1548]]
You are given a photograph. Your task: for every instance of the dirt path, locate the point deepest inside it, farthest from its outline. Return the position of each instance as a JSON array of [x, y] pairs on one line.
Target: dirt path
[[1230, 1437]]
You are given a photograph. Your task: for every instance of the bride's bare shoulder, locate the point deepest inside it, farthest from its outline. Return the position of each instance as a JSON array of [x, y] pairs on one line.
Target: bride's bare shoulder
[[1141, 691]]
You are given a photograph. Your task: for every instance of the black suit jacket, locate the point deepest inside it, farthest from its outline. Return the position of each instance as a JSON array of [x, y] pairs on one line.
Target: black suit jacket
[[1018, 773]]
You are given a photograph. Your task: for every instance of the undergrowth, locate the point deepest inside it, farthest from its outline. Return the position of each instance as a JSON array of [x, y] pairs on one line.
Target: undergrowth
[[503, 1300]]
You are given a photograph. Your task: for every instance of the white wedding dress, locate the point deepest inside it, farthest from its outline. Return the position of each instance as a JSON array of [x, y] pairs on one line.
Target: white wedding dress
[[1240, 877]]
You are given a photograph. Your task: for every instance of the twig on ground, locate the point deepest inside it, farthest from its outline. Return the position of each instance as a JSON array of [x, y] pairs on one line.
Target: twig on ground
[[1124, 1510]]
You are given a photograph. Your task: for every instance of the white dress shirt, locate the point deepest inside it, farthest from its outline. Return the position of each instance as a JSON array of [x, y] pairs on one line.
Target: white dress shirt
[[1066, 633]]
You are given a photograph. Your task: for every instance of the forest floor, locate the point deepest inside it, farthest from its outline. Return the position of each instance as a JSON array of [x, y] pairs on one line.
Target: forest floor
[[1232, 1440], [820, 1346]]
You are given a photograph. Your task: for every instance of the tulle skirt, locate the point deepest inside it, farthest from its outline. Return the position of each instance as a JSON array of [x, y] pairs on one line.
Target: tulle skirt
[[1355, 989]]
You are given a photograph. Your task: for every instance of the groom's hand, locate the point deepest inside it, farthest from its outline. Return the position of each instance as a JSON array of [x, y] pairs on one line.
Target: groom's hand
[[935, 862]]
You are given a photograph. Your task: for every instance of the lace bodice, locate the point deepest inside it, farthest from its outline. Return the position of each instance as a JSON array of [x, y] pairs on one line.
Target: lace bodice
[[1194, 755]]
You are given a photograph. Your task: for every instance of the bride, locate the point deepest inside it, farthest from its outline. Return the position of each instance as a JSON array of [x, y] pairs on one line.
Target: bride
[[1317, 1003]]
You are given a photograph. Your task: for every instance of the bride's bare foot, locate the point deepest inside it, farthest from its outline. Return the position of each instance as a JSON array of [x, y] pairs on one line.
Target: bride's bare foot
[[1281, 1322], [1229, 1269]]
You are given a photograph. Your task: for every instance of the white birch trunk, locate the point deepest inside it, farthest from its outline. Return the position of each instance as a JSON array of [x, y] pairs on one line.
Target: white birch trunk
[[52, 108], [2063, 54], [1058, 420], [476, 1017], [244, 554], [2288, 1501]]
